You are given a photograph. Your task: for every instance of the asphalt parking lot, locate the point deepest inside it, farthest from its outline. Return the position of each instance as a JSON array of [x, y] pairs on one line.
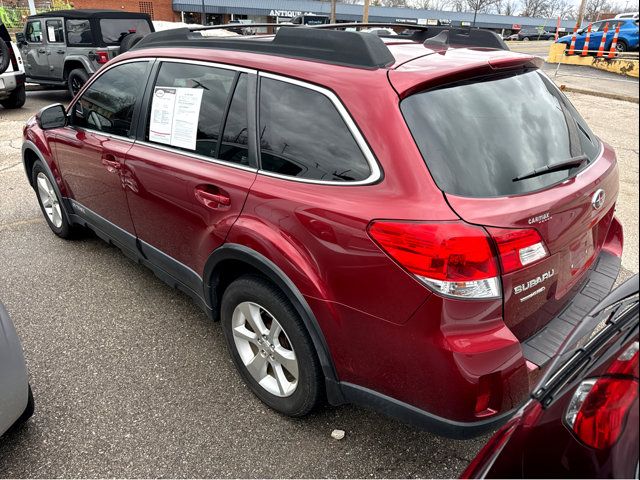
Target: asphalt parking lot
[[132, 380]]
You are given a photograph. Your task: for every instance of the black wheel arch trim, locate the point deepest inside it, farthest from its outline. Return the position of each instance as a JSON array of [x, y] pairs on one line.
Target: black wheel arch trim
[[232, 251], [29, 145]]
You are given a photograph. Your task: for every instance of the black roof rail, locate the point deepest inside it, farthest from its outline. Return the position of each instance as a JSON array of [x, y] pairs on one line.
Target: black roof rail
[[469, 37], [353, 49]]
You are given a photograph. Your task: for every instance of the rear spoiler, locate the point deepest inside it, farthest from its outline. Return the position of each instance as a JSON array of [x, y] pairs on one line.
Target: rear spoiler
[[408, 82]]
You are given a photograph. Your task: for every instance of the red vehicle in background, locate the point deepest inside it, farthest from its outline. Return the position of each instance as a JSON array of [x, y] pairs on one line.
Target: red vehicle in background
[[582, 420]]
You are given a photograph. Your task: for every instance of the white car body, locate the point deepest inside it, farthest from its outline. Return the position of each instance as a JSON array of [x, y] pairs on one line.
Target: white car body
[[14, 382]]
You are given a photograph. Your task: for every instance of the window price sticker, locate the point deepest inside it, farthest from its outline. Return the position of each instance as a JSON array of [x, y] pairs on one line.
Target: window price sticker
[[174, 116]]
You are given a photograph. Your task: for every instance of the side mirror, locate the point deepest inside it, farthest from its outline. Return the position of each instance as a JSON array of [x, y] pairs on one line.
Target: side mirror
[[21, 39], [53, 116]]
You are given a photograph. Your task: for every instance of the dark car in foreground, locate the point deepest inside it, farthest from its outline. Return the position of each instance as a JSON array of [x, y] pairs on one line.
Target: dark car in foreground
[[370, 217], [582, 419]]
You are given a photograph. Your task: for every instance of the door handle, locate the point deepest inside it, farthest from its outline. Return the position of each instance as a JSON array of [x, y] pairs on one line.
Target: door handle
[[42, 50], [212, 197], [113, 166], [61, 52]]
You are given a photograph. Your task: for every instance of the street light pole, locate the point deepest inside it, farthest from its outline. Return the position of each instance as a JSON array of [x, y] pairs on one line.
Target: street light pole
[[583, 4], [365, 14]]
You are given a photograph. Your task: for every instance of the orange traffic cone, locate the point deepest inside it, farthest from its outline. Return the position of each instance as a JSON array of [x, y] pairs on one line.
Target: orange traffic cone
[[572, 47], [604, 39], [585, 48], [614, 43]]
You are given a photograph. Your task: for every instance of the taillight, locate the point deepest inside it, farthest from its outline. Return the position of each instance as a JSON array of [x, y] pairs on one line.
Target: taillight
[[518, 248], [453, 258], [102, 56], [598, 410]]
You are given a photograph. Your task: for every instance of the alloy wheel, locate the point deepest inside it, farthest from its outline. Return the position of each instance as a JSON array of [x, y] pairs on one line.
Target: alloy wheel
[[49, 200], [265, 349]]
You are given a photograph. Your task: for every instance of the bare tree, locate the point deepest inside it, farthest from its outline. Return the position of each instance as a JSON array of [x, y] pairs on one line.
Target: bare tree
[[595, 8], [506, 7], [479, 6]]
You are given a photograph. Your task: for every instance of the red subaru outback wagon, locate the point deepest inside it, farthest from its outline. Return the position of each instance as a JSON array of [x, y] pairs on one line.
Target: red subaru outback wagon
[[412, 223]]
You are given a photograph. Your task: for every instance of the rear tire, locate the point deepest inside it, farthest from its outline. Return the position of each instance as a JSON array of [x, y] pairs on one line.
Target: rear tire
[[265, 334], [16, 99], [76, 79], [51, 205], [5, 56]]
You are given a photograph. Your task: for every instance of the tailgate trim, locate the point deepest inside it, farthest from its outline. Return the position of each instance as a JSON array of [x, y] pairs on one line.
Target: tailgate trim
[[542, 347]]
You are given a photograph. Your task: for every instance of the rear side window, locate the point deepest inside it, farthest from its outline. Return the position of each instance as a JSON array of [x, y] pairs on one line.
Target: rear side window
[[79, 32], [477, 136], [235, 138], [114, 29], [33, 32], [107, 105], [303, 135], [176, 129]]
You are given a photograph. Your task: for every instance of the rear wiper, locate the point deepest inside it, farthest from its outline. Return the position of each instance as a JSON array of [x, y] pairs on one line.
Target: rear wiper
[[554, 167]]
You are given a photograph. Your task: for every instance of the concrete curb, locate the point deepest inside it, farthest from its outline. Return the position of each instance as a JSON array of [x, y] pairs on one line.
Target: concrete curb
[[613, 96]]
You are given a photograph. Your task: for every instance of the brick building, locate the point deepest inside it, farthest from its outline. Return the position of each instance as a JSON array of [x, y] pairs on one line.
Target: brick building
[[157, 9]]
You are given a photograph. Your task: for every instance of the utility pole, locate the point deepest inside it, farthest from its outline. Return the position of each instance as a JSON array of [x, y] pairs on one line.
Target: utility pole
[[583, 4], [333, 11], [204, 14], [365, 14]]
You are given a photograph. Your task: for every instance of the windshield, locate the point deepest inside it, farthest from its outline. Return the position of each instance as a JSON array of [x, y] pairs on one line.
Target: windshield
[[114, 29], [477, 136]]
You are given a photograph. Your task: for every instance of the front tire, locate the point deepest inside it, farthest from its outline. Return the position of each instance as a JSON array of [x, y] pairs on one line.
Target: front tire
[[50, 204], [621, 46], [16, 99], [270, 346]]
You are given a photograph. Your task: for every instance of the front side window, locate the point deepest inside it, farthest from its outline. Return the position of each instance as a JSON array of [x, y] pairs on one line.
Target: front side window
[[34, 31], [114, 29], [54, 31], [107, 105], [188, 105], [79, 32], [303, 135]]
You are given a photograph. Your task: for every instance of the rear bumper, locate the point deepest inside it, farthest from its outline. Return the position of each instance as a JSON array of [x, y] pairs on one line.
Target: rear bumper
[[541, 347], [9, 81], [457, 370]]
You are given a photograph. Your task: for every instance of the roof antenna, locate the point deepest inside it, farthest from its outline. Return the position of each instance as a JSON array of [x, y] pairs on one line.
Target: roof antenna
[[440, 40]]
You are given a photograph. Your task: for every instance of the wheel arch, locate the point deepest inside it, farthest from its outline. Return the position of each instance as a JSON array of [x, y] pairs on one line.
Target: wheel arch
[[30, 154], [233, 260], [76, 61]]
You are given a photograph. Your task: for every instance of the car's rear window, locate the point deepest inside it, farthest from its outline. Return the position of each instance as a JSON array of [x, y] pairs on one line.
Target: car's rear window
[[114, 29], [477, 136]]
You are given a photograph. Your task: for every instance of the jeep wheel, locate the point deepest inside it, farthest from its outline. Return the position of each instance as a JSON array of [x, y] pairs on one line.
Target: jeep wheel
[[5, 56], [16, 99], [270, 346], [77, 78]]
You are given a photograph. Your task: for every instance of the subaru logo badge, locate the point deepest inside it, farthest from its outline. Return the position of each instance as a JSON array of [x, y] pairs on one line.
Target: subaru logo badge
[[597, 201]]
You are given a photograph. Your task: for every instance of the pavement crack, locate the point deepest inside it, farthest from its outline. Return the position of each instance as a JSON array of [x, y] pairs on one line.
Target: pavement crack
[[10, 166]]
